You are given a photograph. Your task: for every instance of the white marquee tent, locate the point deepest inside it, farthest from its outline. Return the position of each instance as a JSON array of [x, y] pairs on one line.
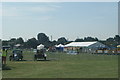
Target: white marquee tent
[[86, 46], [79, 44]]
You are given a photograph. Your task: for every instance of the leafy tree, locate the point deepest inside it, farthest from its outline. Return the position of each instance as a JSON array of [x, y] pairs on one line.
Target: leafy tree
[[54, 42], [96, 39], [31, 43], [90, 39], [12, 42], [61, 40], [5, 43], [110, 39], [117, 39], [48, 44], [112, 42], [42, 38], [19, 41], [79, 40]]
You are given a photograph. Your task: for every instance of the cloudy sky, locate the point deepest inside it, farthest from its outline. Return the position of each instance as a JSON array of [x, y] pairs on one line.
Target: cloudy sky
[[59, 19]]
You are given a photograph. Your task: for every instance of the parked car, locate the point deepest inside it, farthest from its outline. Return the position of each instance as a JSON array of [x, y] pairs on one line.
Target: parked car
[[16, 55]]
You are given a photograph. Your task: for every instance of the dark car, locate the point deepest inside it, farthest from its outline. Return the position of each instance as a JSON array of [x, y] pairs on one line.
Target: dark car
[[16, 55], [40, 55]]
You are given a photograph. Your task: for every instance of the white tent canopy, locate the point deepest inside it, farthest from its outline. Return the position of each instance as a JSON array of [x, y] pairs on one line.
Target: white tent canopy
[[118, 45], [17, 45], [41, 46], [60, 45], [79, 44], [85, 46], [94, 44]]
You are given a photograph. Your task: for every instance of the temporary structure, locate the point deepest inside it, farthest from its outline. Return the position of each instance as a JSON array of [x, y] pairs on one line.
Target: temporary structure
[[79, 44], [85, 46], [118, 48], [41, 46], [118, 45], [60, 45], [17, 45]]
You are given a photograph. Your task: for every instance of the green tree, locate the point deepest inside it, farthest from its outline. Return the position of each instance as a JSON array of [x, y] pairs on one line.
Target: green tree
[[5, 43], [117, 39], [12, 42], [90, 39], [61, 40], [79, 40], [19, 40], [42, 38], [110, 42], [31, 43]]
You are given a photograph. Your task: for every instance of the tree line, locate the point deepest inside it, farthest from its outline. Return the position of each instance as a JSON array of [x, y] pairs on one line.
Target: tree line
[[42, 38]]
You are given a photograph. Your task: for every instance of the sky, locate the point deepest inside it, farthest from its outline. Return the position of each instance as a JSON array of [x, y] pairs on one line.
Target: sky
[[59, 19]]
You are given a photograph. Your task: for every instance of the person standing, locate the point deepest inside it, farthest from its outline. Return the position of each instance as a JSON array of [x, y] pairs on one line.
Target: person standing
[[4, 55]]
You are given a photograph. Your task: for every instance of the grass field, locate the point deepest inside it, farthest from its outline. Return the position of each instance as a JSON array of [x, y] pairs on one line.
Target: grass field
[[63, 65]]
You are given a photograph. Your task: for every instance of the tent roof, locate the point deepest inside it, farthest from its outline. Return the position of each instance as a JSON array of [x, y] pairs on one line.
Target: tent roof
[[18, 45], [118, 45], [60, 45], [80, 44], [40, 46]]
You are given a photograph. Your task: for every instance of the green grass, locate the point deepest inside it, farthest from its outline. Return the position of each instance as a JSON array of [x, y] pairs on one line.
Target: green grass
[[63, 65]]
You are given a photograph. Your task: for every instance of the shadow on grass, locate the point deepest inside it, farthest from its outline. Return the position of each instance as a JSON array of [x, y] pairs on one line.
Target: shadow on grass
[[43, 60], [33, 60], [5, 67]]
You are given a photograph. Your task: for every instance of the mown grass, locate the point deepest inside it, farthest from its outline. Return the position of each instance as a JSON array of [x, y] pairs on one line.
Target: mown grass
[[63, 65]]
